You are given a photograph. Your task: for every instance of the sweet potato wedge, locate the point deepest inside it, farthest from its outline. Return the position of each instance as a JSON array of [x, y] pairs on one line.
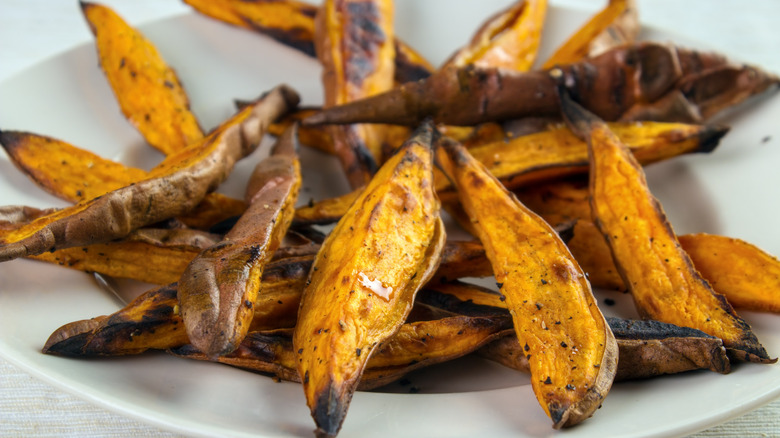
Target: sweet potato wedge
[[617, 84], [550, 154], [65, 170], [615, 25], [657, 271], [365, 276], [76, 175], [354, 46], [748, 276], [291, 23], [148, 91], [220, 285], [133, 329], [154, 256], [414, 346], [509, 39], [546, 291], [647, 348], [172, 188]]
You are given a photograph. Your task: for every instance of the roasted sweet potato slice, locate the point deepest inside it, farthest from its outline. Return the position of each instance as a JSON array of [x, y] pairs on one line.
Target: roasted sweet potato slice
[[65, 170], [509, 39], [748, 276], [616, 24], [154, 256], [147, 89], [172, 188], [550, 154], [619, 82], [354, 46], [750, 286], [657, 271], [76, 175], [220, 285], [365, 276], [153, 322], [414, 346], [546, 291], [291, 23], [647, 348]]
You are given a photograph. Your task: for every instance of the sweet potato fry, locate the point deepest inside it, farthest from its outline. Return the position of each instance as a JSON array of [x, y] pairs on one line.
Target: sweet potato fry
[[647, 348], [658, 273], [291, 23], [554, 153], [509, 39], [572, 353], [365, 276], [172, 188], [154, 256], [153, 322], [76, 175], [618, 82], [745, 274], [64, 170], [615, 25], [149, 93], [414, 346], [354, 46], [219, 286]]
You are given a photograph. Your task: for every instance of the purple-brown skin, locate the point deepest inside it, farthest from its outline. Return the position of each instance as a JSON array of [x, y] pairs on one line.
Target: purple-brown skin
[[622, 80], [218, 289], [174, 187]]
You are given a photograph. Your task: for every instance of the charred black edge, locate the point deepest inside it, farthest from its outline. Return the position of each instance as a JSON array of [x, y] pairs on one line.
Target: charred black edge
[[453, 304], [71, 346], [650, 329], [330, 409], [225, 225], [406, 70], [308, 232], [710, 136], [9, 140]]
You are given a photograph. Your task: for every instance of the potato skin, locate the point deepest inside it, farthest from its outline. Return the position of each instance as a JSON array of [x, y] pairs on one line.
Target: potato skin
[[173, 187], [219, 286]]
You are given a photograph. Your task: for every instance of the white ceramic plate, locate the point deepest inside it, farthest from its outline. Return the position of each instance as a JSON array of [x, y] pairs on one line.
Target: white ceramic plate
[[728, 192]]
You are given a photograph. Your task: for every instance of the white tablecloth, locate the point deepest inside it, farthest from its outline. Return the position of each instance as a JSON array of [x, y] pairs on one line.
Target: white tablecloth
[[31, 30]]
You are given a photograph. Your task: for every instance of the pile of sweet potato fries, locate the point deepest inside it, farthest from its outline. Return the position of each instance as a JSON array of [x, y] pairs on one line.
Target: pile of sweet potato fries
[[539, 159]]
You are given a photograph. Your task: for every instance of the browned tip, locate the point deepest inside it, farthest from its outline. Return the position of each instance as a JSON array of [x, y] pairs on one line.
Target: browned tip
[[10, 140], [70, 339], [330, 409], [710, 137]]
